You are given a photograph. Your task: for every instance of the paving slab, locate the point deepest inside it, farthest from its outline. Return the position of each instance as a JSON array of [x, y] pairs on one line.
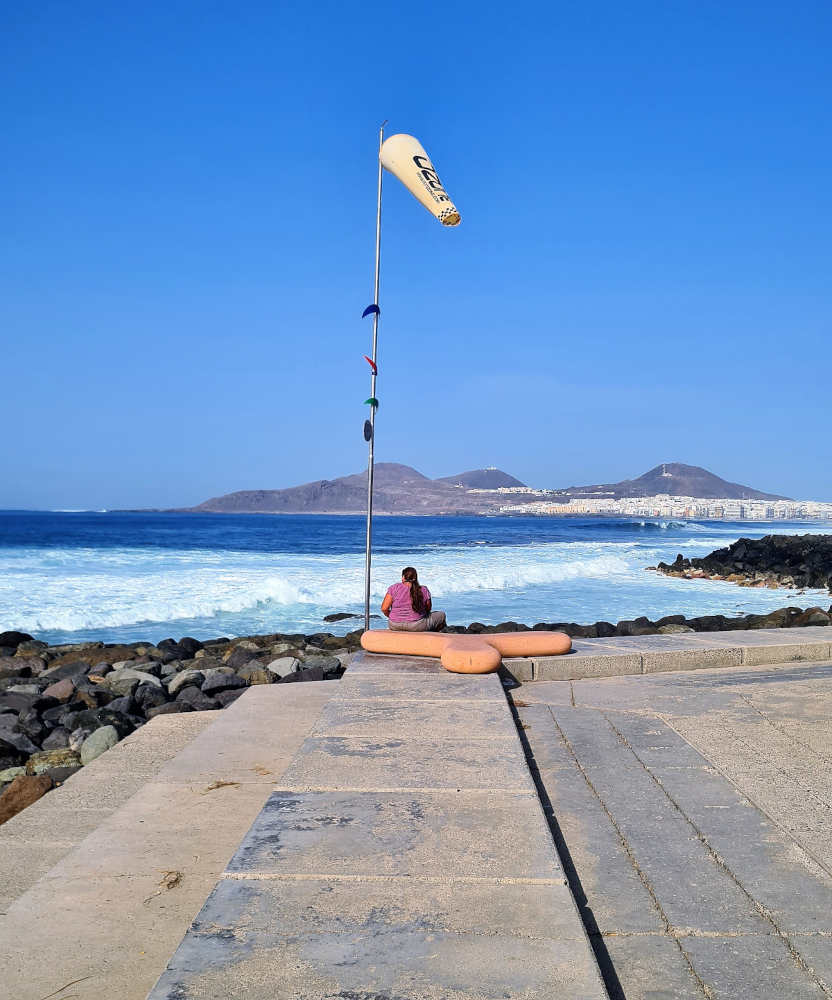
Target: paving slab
[[390, 939], [518, 668], [416, 720], [114, 934], [379, 663], [651, 967], [815, 950], [154, 830], [471, 834], [452, 765], [407, 687], [255, 738], [755, 967]]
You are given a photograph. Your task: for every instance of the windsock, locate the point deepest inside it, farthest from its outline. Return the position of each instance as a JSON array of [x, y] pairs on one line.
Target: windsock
[[405, 157]]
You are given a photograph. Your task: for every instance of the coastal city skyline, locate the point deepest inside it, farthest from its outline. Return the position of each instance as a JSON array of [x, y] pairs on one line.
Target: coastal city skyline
[[686, 508]]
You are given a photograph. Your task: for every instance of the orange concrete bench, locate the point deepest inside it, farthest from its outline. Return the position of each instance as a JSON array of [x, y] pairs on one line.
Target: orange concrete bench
[[467, 654]]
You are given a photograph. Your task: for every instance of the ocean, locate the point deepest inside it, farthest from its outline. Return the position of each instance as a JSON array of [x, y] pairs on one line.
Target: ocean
[[76, 576]]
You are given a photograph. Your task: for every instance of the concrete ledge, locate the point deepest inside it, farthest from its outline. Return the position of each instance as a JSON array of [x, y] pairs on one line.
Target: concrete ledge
[[575, 665], [651, 654], [520, 668], [786, 653], [691, 659]]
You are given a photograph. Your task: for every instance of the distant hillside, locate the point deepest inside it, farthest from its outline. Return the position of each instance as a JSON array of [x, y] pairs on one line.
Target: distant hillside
[[398, 489], [481, 479], [676, 480]]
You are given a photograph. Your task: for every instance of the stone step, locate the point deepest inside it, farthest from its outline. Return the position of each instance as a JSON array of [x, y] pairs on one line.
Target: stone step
[[36, 839], [135, 842], [403, 854]]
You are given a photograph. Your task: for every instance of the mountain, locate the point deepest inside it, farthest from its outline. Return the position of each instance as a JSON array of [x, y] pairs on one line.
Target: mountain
[[675, 479], [397, 489], [482, 479], [400, 489]]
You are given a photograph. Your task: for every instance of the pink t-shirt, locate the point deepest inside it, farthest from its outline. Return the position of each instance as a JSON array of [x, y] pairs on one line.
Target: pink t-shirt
[[402, 609]]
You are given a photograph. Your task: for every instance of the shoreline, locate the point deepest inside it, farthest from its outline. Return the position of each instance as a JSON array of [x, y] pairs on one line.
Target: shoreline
[[62, 706]]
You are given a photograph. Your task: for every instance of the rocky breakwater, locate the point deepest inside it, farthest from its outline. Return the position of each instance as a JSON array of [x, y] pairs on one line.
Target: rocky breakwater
[[63, 706], [796, 561]]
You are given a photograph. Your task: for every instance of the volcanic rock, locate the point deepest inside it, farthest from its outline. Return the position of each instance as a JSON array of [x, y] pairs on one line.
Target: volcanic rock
[[22, 792], [97, 743]]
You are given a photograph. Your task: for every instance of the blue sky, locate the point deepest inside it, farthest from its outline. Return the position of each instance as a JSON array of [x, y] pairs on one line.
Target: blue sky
[[641, 274]]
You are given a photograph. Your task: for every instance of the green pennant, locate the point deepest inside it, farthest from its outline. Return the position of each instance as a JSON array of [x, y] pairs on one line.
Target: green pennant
[[372, 401]]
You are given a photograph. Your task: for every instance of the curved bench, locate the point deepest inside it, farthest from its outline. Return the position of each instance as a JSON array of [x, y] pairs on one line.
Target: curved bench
[[467, 654]]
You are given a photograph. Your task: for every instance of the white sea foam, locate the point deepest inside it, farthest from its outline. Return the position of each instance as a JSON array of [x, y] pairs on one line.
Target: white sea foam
[[145, 592], [75, 589]]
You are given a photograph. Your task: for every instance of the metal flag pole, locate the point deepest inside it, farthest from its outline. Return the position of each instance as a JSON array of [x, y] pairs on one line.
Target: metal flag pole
[[373, 403]]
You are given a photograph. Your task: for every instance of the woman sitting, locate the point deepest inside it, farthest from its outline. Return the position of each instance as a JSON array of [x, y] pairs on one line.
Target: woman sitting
[[408, 606]]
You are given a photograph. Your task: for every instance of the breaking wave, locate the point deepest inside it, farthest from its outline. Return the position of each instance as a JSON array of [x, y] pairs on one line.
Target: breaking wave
[[139, 591]]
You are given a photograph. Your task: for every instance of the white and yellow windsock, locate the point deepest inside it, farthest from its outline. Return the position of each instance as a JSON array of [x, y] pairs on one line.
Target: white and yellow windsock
[[406, 159]]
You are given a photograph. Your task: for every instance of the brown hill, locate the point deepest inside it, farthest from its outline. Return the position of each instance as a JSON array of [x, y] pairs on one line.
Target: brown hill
[[398, 489], [481, 479], [677, 480]]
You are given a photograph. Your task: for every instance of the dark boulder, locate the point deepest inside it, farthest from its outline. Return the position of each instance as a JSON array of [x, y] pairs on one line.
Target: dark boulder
[[240, 657], [75, 670], [189, 647], [12, 666], [198, 701], [60, 774], [216, 682], [57, 739], [29, 723], [147, 696], [317, 638], [225, 698], [169, 708], [16, 745], [23, 701], [14, 638], [125, 705], [95, 718]]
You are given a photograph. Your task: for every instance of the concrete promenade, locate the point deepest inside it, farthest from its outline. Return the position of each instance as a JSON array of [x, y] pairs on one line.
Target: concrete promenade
[[658, 834], [693, 813], [404, 854]]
